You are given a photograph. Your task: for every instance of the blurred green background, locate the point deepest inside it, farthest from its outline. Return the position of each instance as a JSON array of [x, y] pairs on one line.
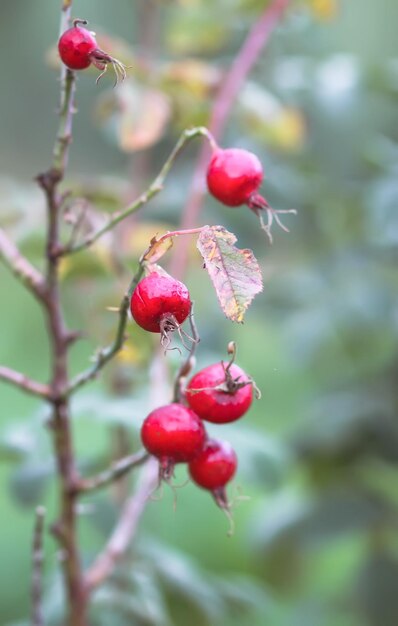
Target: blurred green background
[[316, 544]]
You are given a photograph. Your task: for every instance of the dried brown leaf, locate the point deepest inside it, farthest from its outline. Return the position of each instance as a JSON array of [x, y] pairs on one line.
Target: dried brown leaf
[[235, 273]]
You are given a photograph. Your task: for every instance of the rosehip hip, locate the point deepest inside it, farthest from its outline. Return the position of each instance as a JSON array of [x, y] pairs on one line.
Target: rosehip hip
[[214, 466], [160, 301], [173, 433], [234, 176], [78, 49], [223, 394]]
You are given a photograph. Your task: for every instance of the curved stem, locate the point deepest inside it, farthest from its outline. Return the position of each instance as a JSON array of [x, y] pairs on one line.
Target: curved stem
[[154, 188], [105, 355]]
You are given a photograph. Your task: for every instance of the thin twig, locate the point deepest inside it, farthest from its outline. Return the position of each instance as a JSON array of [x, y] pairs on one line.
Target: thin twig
[[104, 355], [117, 470], [154, 188], [37, 618], [125, 528], [23, 382], [243, 63], [21, 267]]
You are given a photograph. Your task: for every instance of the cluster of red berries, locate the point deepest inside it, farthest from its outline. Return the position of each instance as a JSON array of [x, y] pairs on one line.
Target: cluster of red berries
[[220, 393]]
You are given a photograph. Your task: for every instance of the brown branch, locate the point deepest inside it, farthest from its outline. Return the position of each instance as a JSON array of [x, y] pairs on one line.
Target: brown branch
[[37, 618], [23, 382], [29, 276], [65, 529], [117, 470], [125, 528], [243, 63]]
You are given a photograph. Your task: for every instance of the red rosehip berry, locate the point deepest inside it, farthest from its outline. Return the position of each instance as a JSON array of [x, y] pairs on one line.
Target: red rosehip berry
[[160, 304], [223, 393], [212, 469], [78, 49], [234, 177], [174, 434]]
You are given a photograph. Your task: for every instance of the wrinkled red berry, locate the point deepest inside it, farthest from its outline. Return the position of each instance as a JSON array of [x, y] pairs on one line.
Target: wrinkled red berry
[[174, 434], [159, 302], [214, 466], [76, 45], [224, 396], [234, 175]]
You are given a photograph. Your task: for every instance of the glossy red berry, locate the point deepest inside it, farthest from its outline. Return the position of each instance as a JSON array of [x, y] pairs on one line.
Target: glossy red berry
[[174, 434], [234, 176], [78, 49], [214, 466], [160, 303], [224, 393], [76, 45]]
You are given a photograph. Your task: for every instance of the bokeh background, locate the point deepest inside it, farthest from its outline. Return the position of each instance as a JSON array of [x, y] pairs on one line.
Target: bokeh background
[[316, 544]]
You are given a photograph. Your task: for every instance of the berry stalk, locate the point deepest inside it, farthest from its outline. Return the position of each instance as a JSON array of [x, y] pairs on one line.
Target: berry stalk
[[154, 188]]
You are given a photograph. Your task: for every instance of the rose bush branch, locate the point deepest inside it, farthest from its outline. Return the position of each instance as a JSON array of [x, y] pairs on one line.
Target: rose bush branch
[[155, 187], [37, 569], [117, 470], [23, 382], [65, 528]]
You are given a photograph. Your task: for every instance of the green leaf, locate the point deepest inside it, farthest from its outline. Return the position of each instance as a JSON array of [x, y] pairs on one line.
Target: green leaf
[[235, 273]]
